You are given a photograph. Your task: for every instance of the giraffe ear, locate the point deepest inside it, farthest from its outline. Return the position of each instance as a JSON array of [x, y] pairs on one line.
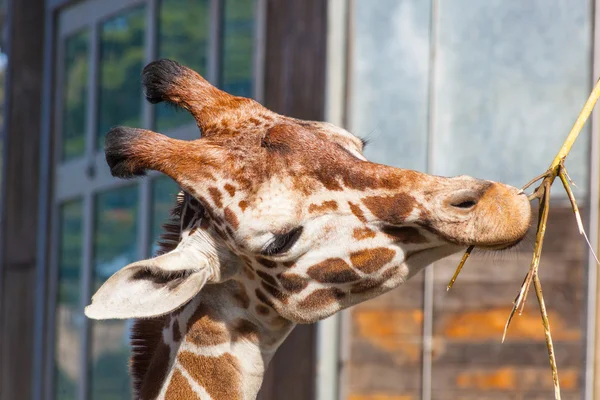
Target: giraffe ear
[[150, 288]]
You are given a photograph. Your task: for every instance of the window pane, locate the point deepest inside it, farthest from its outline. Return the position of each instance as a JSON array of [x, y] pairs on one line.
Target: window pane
[[74, 94], [164, 195], [121, 62], [69, 319], [183, 36], [512, 77], [390, 79], [115, 245], [238, 45]]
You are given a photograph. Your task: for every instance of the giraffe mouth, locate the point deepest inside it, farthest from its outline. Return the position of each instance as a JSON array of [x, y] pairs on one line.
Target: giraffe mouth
[[501, 246]]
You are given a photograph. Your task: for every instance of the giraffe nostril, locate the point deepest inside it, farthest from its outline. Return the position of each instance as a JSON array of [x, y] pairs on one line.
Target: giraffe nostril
[[464, 199]]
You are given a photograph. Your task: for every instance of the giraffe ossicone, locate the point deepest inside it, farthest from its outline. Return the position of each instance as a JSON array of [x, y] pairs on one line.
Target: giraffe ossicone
[[281, 221]]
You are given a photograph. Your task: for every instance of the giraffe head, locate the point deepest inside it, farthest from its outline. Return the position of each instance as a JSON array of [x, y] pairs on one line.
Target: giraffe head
[[291, 209]]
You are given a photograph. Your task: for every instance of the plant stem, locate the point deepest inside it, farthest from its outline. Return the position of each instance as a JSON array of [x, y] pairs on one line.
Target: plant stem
[[576, 129]]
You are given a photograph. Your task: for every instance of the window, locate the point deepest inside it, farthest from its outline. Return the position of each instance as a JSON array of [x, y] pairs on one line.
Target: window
[[100, 223]]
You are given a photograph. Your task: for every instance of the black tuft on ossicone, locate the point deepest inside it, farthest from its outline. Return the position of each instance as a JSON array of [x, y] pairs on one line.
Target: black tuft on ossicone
[[158, 77], [117, 149]]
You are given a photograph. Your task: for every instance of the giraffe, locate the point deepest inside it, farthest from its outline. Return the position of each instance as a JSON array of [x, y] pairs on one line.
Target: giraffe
[[280, 222]]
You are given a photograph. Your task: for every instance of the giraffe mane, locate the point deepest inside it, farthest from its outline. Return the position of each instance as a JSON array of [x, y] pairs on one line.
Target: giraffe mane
[[146, 334], [171, 235]]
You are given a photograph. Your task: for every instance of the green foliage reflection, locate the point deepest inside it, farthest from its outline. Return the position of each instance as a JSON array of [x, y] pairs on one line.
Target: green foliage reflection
[[122, 56], [183, 28], [75, 89], [237, 47], [68, 338]]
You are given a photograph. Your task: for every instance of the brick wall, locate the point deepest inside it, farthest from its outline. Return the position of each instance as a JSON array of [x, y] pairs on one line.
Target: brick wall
[[469, 360]]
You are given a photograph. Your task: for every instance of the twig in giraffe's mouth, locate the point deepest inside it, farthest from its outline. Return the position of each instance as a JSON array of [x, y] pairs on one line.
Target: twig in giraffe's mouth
[[542, 193]]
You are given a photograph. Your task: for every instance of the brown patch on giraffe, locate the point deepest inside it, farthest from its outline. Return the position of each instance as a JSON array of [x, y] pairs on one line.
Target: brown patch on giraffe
[[220, 232], [267, 278], [230, 189], [357, 212], [279, 322], [241, 296], [363, 233], [262, 297], [392, 209], [207, 207], [330, 205], [369, 284], [278, 139], [266, 263], [245, 330], [204, 223], [275, 292], [216, 196], [219, 376], [231, 218], [261, 310], [243, 205], [206, 330], [157, 371], [322, 298], [365, 285], [372, 260], [246, 259], [405, 234], [176, 331], [179, 388], [289, 264], [333, 270], [389, 273], [291, 282], [249, 273]]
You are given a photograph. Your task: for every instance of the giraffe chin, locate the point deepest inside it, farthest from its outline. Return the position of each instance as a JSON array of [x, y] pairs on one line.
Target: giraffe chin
[[417, 260]]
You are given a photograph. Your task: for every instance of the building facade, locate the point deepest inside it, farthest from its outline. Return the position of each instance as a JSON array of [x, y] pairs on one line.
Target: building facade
[[489, 89]]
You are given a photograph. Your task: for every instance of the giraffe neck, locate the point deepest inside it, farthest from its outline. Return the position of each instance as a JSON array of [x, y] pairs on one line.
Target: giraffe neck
[[214, 347]]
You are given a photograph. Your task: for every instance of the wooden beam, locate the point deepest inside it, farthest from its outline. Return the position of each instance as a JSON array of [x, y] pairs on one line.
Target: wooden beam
[[295, 70], [18, 227]]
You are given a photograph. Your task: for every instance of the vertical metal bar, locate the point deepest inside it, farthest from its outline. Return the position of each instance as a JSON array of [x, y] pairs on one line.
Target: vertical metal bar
[[144, 189], [345, 328], [260, 45], [328, 376], [349, 57], [86, 287], [88, 207], [5, 139], [52, 302], [55, 149], [591, 381], [345, 320], [92, 95], [214, 44], [42, 313], [428, 284]]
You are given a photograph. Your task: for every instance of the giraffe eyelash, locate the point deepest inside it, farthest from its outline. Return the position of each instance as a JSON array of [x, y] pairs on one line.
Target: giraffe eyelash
[[282, 242]]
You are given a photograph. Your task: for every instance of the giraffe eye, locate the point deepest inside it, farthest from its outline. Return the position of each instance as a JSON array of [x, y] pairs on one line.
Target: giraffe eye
[[282, 242]]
